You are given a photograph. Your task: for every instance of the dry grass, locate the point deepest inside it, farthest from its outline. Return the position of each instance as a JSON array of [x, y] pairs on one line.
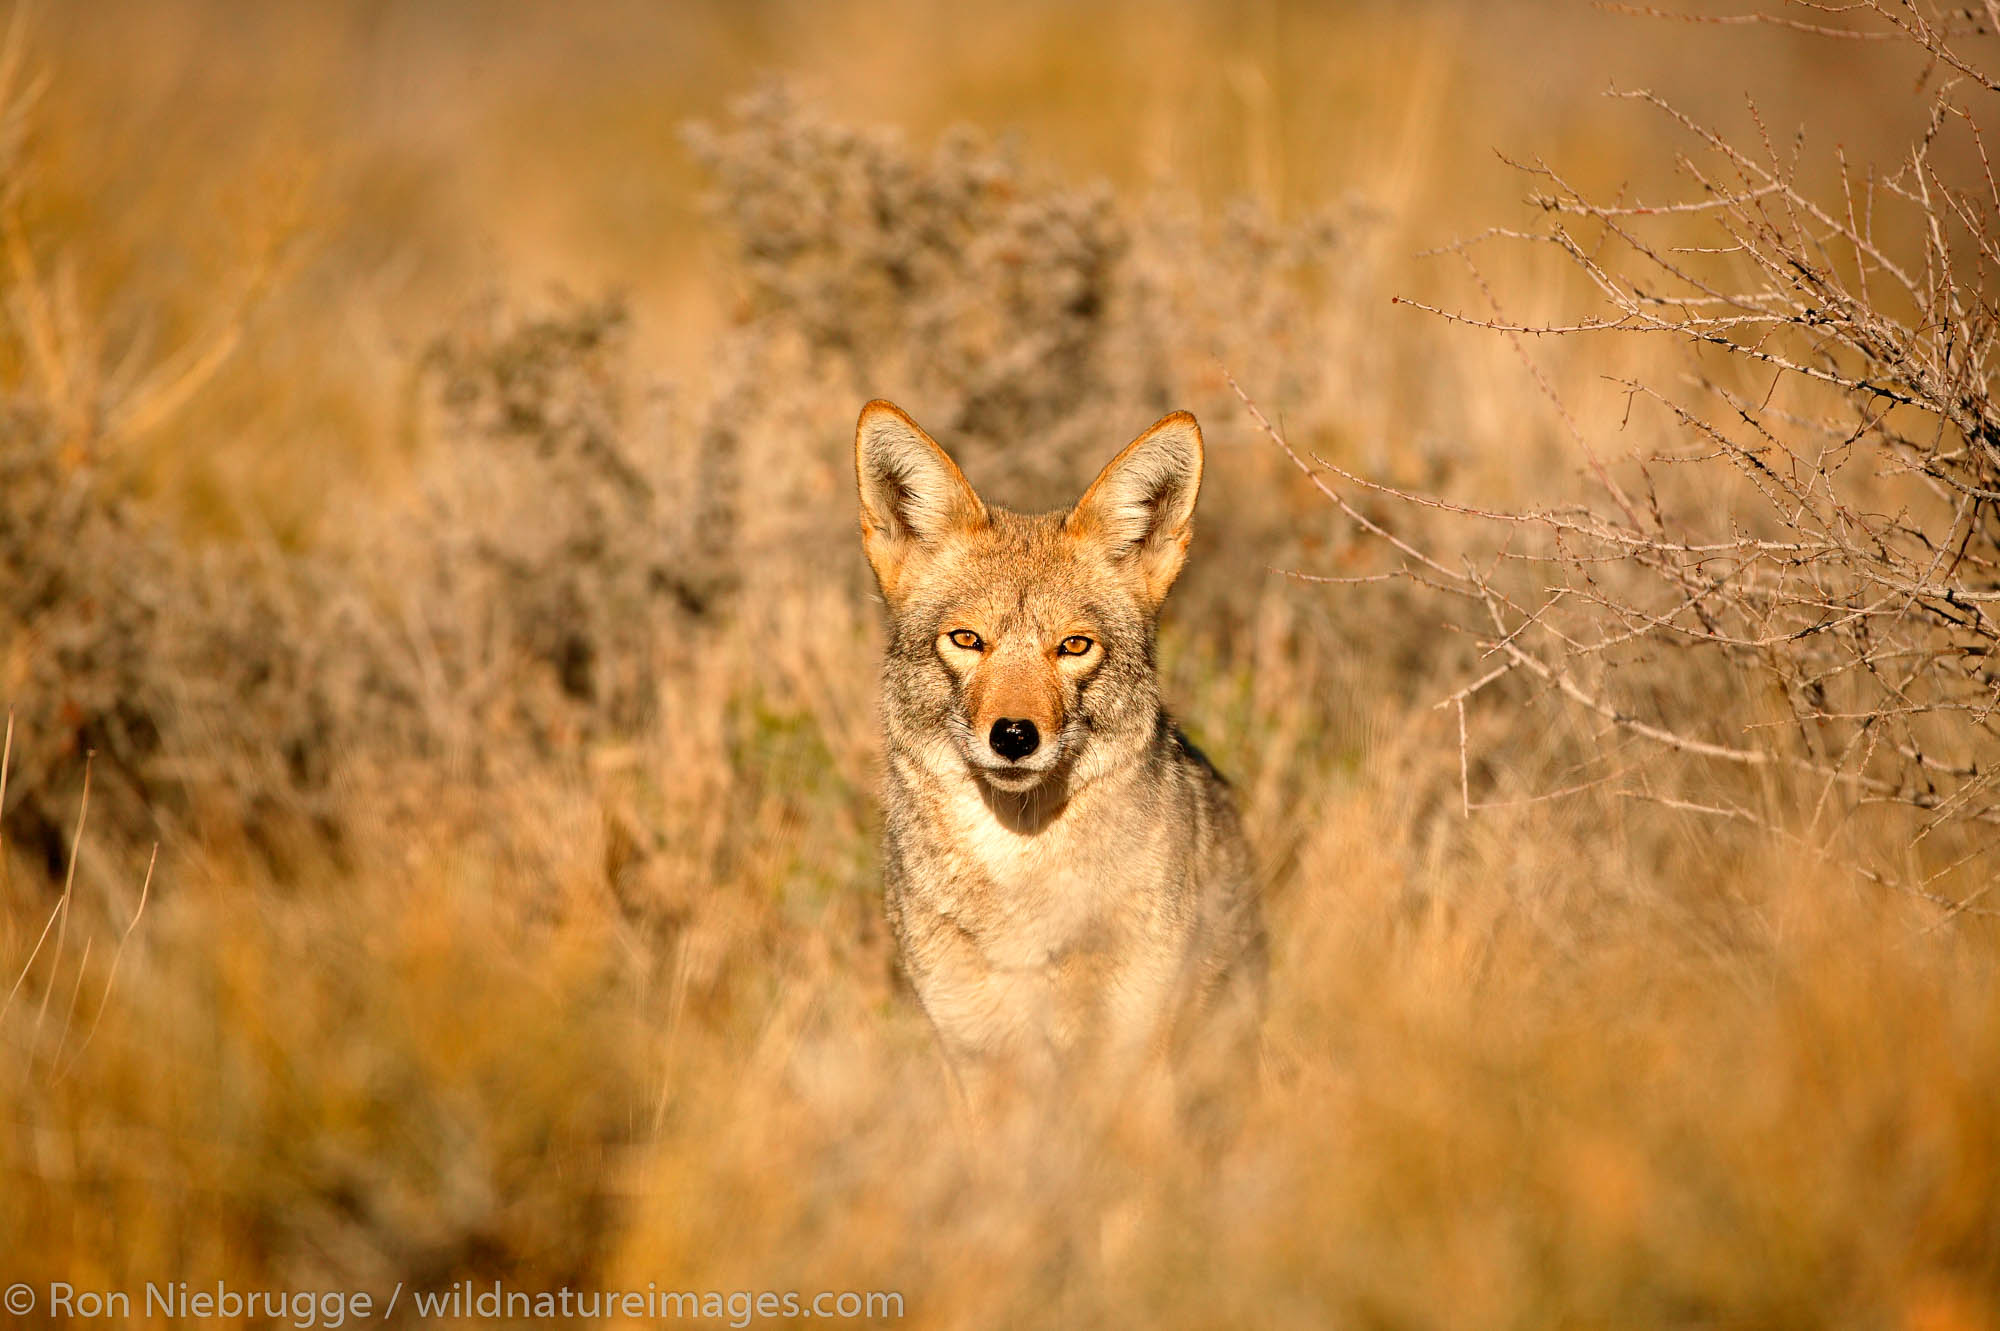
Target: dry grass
[[495, 674]]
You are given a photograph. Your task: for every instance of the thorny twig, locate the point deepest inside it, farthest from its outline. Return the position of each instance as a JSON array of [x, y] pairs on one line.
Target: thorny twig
[[1841, 548]]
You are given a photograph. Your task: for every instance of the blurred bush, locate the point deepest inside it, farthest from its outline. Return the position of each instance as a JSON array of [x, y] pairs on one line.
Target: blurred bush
[[577, 531]]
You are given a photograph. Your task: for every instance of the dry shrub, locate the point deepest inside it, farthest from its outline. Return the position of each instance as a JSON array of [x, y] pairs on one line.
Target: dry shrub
[[216, 687], [77, 649], [545, 570], [1034, 327], [949, 272], [1794, 587], [213, 684]]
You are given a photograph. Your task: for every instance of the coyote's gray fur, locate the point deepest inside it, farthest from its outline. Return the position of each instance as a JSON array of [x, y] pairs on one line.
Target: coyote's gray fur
[[1067, 879]]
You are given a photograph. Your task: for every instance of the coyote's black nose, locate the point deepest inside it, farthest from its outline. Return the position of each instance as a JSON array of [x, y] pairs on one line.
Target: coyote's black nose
[[1013, 740]]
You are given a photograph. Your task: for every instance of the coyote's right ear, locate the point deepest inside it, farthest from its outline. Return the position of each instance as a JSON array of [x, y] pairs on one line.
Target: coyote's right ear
[[911, 493]]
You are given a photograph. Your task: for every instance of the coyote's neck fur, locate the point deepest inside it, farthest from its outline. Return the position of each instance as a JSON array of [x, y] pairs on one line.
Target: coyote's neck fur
[[1027, 869], [1065, 875]]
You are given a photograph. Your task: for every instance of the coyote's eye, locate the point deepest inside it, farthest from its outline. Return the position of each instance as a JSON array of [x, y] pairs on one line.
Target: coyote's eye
[[966, 639], [1074, 645]]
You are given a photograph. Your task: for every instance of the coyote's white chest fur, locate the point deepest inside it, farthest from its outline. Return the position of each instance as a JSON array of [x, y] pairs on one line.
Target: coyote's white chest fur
[[1065, 876], [1027, 897], [1046, 941]]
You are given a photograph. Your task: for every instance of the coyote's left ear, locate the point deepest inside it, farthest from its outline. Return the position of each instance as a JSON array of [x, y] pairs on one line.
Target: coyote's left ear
[[1141, 504]]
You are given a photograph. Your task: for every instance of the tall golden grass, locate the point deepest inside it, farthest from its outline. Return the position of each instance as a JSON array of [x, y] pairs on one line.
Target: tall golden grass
[[493, 667]]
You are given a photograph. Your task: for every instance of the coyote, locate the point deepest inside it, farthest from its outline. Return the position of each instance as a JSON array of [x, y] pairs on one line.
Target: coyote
[[1066, 878]]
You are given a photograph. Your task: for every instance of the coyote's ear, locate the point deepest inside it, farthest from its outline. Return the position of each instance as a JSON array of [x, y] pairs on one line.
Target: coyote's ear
[[1141, 504], [911, 493]]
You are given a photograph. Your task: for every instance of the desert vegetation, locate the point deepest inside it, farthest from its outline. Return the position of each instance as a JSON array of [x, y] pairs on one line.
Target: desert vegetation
[[437, 824]]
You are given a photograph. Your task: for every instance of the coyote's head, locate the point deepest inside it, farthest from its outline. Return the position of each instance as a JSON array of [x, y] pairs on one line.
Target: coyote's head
[[1025, 643]]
